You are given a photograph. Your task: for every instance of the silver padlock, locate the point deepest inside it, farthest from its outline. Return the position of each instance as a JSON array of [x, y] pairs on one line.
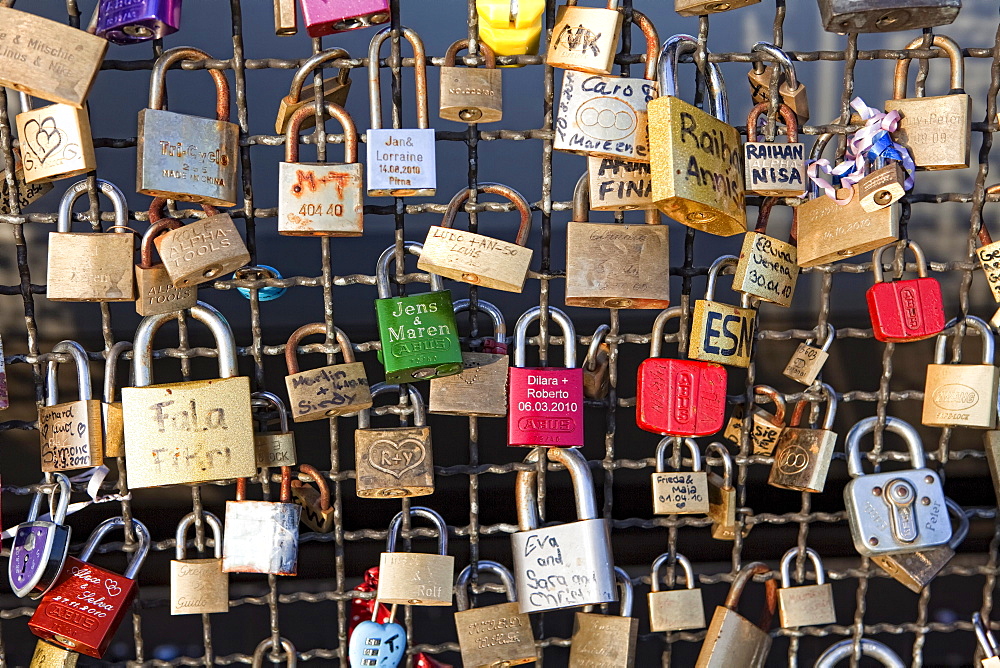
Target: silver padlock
[[675, 609], [987, 642], [416, 578], [805, 605], [262, 536], [845, 648]]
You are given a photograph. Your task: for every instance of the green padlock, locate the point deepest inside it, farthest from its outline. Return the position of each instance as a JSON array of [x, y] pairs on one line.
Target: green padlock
[[418, 333]]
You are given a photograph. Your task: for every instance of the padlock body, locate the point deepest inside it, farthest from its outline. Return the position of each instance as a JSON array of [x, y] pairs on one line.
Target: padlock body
[[802, 459], [806, 363], [680, 397], [585, 39], [91, 267], [806, 605], [133, 21], [699, 7], [188, 433], [915, 570], [767, 269], [961, 395], [722, 333], [55, 142], [198, 586], [320, 199], [495, 635], [507, 34], [843, 16], [619, 185], [88, 626], [394, 462], [989, 258], [328, 391], [882, 187], [564, 566], [546, 407], [415, 578], [261, 537], [936, 130], [418, 336], [732, 640], [25, 193], [37, 557], [334, 90], [71, 435], [326, 18], [313, 516], [471, 94], [697, 168], [604, 116], [475, 259], [202, 250], [676, 610], [991, 447], [603, 640], [157, 293], [680, 493], [765, 432], [401, 163], [908, 310], [49, 656], [721, 508], [775, 169], [617, 265], [480, 389], [274, 449], [829, 232]]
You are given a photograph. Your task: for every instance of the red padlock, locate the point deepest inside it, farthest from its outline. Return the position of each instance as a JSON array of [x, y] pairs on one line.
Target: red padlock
[[546, 403], [86, 605], [678, 397], [908, 310]]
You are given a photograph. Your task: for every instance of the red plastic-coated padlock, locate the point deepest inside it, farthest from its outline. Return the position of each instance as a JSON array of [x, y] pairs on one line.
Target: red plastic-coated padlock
[[908, 310]]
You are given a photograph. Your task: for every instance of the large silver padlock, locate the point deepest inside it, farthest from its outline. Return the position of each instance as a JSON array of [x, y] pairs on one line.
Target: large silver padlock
[[262, 536], [845, 648], [675, 609], [416, 578]]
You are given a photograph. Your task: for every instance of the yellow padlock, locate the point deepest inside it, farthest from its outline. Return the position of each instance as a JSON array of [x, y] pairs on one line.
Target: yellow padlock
[[511, 27]]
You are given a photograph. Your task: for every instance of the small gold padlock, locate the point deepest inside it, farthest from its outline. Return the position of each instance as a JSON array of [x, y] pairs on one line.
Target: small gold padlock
[[805, 605], [679, 492], [416, 578], [111, 410], [765, 428], [808, 360], [770, 168], [273, 448], [471, 94], [156, 292], [606, 640], [675, 609], [70, 432], [494, 635], [51, 656], [396, 461], [802, 456], [335, 89], [768, 267], [701, 7], [792, 91], [55, 141], [198, 586], [597, 366], [202, 250], [317, 513], [884, 186], [720, 332], [722, 496], [329, 391], [733, 640], [585, 38], [286, 21]]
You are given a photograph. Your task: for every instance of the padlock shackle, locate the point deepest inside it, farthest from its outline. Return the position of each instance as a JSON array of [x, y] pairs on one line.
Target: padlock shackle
[[63, 488], [786, 566], [419, 76], [652, 43], [314, 328], [590, 360], [521, 335], [719, 267], [111, 369], [291, 658], [141, 532], [146, 245], [626, 592], [780, 58], [396, 525], [727, 462], [959, 533], [516, 198], [978, 324], [82, 364], [65, 217], [158, 204], [659, 327], [499, 324], [321, 484], [776, 398], [662, 560], [871, 648], [334, 111], [831, 334], [142, 358], [180, 537], [388, 256], [158, 81], [483, 566], [950, 49], [416, 399], [831, 408], [987, 642], [742, 579], [314, 61], [528, 518], [787, 115], [664, 445], [666, 74], [272, 399], [852, 444], [581, 199], [487, 53], [918, 254]]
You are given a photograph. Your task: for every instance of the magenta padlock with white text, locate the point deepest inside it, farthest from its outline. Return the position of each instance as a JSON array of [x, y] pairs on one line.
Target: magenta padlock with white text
[[326, 17]]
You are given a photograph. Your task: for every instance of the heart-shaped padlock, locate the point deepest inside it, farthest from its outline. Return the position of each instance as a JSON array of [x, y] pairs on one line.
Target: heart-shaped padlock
[[375, 645]]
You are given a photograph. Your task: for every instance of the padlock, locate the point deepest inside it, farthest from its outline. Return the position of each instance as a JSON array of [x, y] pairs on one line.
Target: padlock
[[770, 168], [182, 156], [732, 639], [845, 649], [510, 27], [335, 89], [701, 7], [962, 395], [481, 388], [401, 162], [802, 457], [597, 366], [394, 462], [112, 420], [320, 199], [329, 391], [678, 396], [273, 448], [720, 332], [493, 635], [615, 265], [768, 267], [190, 432], [55, 141], [844, 16], [675, 609], [562, 565], [418, 333], [317, 513], [808, 360], [71, 432], [606, 116], [585, 38], [765, 428], [48, 655], [291, 657], [606, 640], [619, 185], [134, 21], [89, 626], [262, 536], [546, 403], [792, 91], [987, 642], [325, 18], [261, 274], [285, 20], [471, 94], [884, 186], [894, 511], [936, 130], [55, 62], [40, 546], [722, 496], [156, 292], [475, 258], [372, 642], [202, 250], [989, 258], [679, 492], [91, 267], [198, 586], [805, 605], [991, 448], [905, 310], [416, 578], [915, 570], [695, 157], [24, 193]]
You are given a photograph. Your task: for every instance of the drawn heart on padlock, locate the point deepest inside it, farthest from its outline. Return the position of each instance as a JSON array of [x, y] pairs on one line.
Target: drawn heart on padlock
[[396, 459], [44, 138], [112, 587], [385, 643]]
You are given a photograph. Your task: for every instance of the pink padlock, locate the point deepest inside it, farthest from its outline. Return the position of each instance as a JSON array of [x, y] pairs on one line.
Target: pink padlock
[[325, 17]]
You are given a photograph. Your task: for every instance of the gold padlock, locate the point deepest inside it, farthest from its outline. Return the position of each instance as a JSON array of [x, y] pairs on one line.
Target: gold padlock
[[802, 456], [962, 395], [285, 20], [606, 640], [768, 267], [396, 461], [111, 410], [156, 292], [416, 578], [792, 91], [51, 656], [733, 640], [679, 492], [198, 586], [24, 193], [702, 7], [494, 635], [987, 642], [882, 187], [765, 427], [585, 38], [329, 391], [471, 94], [805, 605], [722, 496], [675, 609], [317, 513], [619, 185], [55, 141], [721, 332], [989, 258], [272, 448], [335, 89], [770, 168], [808, 360], [70, 432], [597, 366], [202, 250]]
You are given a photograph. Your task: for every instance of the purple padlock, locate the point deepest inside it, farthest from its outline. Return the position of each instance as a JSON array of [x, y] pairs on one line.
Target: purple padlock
[[133, 21], [40, 546], [326, 17]]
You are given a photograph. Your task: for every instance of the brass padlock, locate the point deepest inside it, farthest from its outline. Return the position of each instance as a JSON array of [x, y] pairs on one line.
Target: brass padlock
[[182, 156], [471, 94], [844, 649], [272, 448], [765, 428], [52, 656], [597, 366], [190, 432], [702, 7], [394, 461], [91, 267], [792, 91], [805, 605], [156, 292], [695, 157], [202, 250], [474, 258], [494, 635], [619, 185], [936, 130], [198, 586], [962, 395], [987, 642], [55, 141], [991, 448], [262, 536], [335, 89], [989, 258], [720, 332], [614, 265], [111, 410], [732, 639], [317, 513], [675, 609], [770, 168], [722, 496], [286, 21], [481, 388], [70, 432], [416, 578], [808, 360], [883, 186], [24, 193], [768, 267], [329, 391], [606, 640], [802, 456], [679, 492], [844, 16], [585, 38]]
